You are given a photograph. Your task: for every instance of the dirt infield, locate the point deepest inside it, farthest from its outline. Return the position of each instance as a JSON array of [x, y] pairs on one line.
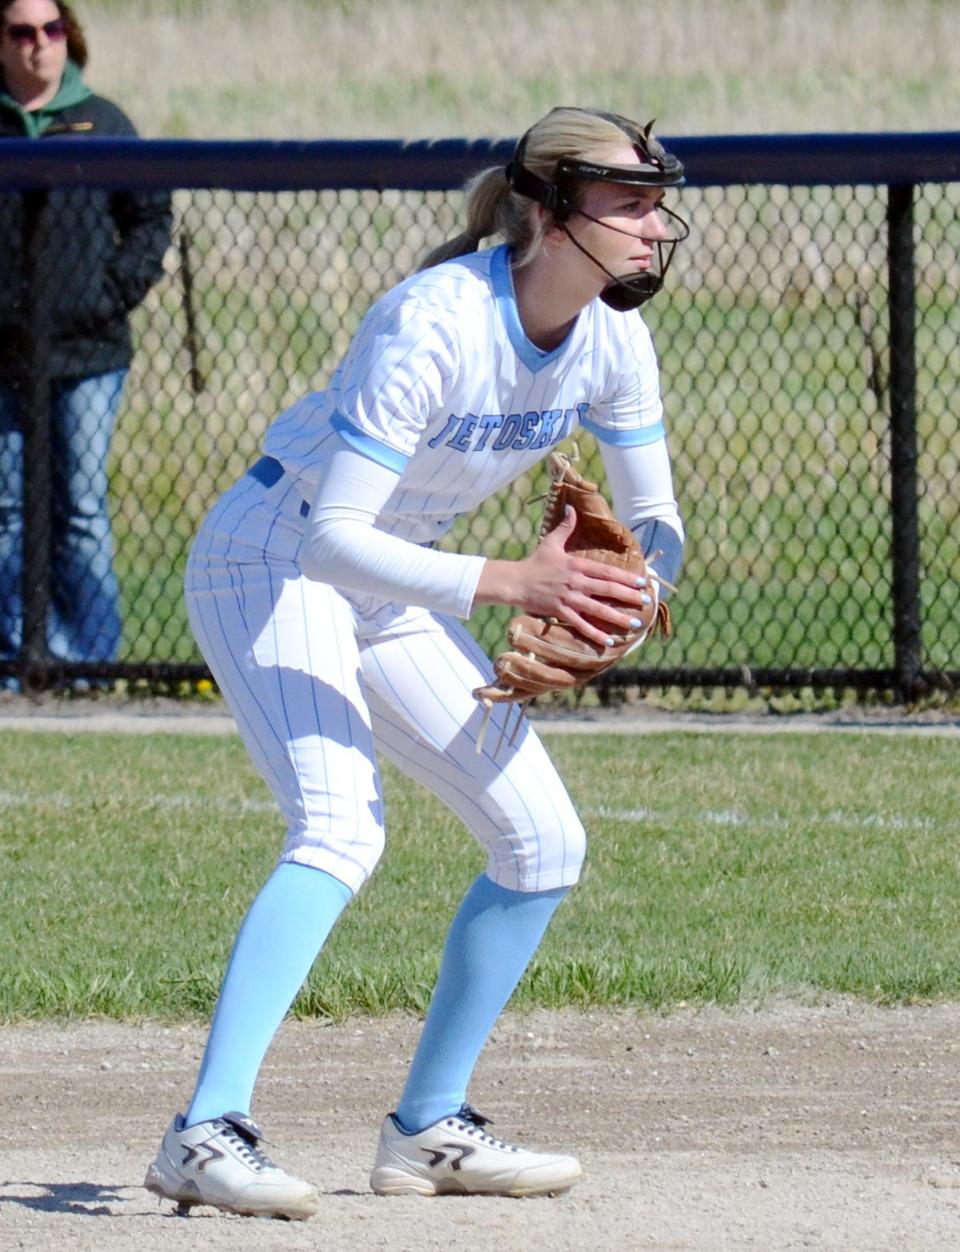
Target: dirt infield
[[792, 1127]]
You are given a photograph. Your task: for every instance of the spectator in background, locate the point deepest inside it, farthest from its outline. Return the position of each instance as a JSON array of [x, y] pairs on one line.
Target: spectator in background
[[100, 252]]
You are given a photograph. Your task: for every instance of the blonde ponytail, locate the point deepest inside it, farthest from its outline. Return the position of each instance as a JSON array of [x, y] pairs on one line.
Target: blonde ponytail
[[492, 209]]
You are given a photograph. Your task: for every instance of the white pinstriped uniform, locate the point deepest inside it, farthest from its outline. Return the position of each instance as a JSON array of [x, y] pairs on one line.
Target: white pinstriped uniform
[[441, 386]]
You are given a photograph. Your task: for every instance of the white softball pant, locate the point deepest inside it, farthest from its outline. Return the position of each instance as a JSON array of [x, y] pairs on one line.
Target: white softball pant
[[318, 684]]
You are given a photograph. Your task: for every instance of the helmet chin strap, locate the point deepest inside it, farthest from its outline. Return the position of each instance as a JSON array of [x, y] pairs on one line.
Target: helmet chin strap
[[630, 292]]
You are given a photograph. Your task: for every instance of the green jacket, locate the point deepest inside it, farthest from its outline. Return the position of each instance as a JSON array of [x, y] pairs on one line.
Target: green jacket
[[72, 90], [102, 250]]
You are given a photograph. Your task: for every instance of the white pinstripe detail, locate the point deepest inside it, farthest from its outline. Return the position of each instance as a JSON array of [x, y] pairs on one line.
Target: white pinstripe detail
[[431, 361], [505, 849], [206, 620], [287, 656], [437, 350], [514, 804], [326, 783]]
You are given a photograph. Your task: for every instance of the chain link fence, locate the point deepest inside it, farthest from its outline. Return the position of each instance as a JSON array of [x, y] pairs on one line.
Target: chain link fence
[[815, 445]]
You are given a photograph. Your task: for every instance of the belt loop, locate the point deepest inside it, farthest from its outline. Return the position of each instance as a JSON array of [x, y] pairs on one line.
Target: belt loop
[[268, 471]]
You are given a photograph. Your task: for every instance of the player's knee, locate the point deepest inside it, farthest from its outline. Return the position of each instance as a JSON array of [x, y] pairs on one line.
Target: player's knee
[[565, 848], [549, 857], [350, 856], [574, 851]]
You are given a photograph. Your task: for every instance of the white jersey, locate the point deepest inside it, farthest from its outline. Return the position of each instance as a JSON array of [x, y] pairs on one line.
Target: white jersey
[[332, 643], [442, 386]]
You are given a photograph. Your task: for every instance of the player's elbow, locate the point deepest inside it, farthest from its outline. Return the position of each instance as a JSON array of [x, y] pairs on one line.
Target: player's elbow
[[325, 554], [314, 558]]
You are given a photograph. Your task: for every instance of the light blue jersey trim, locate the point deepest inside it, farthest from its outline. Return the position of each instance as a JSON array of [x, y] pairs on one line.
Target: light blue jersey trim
[[367, 446], [656, 536], [636, 438], [506, 298]]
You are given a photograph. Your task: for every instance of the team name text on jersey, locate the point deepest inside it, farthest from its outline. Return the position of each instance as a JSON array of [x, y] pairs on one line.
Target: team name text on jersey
[[515, 431]]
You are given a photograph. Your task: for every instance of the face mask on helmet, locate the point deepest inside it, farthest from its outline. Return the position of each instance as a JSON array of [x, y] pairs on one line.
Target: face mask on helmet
[[657, 168]]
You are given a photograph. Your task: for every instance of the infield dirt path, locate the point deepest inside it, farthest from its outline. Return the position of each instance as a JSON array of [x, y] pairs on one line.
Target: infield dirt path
[[793, 1127]]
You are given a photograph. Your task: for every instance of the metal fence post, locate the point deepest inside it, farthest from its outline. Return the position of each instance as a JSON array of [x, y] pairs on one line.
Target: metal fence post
[[34, 660], [904, 488]]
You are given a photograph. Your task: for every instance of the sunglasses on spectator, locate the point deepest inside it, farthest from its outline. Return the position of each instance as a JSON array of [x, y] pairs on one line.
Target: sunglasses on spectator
[[21, 34]]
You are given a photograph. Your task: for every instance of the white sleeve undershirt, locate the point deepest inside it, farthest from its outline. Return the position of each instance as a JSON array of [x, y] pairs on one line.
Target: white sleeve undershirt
[[343, 547], [641, 485]]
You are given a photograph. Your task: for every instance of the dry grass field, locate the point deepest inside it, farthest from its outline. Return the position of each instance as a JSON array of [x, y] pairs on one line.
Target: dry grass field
[[409, 69]]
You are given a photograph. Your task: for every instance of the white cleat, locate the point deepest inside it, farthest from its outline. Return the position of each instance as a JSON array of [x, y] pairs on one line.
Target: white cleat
[[455, 1156], [219, 1163]]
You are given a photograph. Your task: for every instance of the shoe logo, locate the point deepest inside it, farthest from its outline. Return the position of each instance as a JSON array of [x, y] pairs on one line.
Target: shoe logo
[[195, 1154], [437, 1157]]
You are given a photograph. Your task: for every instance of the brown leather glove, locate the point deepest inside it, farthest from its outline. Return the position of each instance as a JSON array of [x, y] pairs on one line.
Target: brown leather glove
[[545, 655]]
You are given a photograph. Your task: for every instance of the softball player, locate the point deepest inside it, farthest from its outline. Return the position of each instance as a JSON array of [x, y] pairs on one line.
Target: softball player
[[334, 628]]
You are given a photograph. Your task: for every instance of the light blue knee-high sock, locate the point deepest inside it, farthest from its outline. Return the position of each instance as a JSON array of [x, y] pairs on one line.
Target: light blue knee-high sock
[[491, 941], [278, 942]]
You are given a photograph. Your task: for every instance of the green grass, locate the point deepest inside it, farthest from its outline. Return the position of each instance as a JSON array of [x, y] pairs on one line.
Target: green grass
[[722, 869]]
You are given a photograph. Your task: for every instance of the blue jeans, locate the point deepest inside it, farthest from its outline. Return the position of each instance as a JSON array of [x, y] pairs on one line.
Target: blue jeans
[[84, 617]]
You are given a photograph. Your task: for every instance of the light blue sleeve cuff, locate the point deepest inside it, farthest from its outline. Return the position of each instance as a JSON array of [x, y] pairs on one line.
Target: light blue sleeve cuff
[[367, 446], [635, 438], [655, 536]]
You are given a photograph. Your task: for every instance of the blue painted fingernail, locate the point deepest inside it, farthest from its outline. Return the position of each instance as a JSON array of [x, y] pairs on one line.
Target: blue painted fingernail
[[645, 600], [641, 582], [611, 642], [635, 623]]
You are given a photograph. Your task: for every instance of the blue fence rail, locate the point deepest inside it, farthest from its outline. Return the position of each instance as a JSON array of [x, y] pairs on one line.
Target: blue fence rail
[[439, 165], [898, 172]]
